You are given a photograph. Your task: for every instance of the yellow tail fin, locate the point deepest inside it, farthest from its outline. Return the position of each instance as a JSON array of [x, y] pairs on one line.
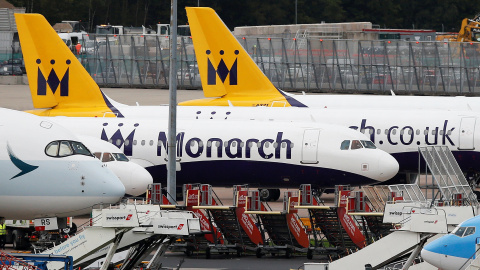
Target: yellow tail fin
[[226, 69], [57, 79]]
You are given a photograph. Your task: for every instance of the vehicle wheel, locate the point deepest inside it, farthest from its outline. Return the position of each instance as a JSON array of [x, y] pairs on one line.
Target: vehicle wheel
[[309, 254], [70, 230], [288, 253], [258, 252], [266, 195], [207, 253], [18, 240]]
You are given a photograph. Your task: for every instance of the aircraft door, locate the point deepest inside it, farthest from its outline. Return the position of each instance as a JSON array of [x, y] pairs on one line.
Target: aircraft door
[[467, 131], [309, 146]]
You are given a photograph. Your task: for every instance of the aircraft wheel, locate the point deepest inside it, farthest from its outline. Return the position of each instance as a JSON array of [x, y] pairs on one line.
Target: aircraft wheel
[[266, 195], [276, 194]]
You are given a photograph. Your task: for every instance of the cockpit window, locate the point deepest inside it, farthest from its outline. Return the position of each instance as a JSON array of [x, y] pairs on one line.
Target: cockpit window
[[345, 144], [463, 231], [356, 145], [368, 144], [120, 157], [80, 149], [66, 148], [107, 157]]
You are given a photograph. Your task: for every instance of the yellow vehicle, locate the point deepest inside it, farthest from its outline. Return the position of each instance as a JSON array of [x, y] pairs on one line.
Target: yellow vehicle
[[470, 30]]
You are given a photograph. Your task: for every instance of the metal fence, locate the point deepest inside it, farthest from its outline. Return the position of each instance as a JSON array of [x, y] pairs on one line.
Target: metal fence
[[310, 65]]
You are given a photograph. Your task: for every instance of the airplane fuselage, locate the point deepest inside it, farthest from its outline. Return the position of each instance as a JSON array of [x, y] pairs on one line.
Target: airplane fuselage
[[224, 153]]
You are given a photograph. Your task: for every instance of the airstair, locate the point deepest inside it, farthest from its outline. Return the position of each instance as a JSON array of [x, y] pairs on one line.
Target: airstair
[[234, 231], [285, 230], [141, 227], [439, 200], [448, 176]]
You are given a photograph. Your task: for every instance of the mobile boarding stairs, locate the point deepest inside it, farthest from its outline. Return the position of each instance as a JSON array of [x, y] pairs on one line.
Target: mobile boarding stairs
[[140, 227], [437, 202]]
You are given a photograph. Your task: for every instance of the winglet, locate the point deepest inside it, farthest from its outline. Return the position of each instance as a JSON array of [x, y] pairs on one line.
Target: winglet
[[56, 78], [226, 69]]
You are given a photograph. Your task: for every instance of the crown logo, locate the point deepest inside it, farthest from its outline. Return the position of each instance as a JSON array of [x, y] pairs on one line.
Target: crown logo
[[222, 70], [53, 81]]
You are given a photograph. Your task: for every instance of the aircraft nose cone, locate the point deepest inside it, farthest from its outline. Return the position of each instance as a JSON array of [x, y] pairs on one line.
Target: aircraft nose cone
[[431, 257], [387, 166], [140, 179], [115, 188]]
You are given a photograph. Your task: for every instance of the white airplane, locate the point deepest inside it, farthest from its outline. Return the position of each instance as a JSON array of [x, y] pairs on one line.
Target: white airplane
[[456, 250], [48, 172], [224, 153], [133, 176], [58, 80]]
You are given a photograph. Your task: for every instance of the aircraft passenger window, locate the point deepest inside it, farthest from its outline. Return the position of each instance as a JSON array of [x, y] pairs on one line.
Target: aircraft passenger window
[[434, 132], [284, 144], [291, 145], [80, 149], [120, 157], [356, 145], [386, 131], [143, 142], [425, 132], [275, 145], [371, 131], [345, 144], [362, 131], [200, 144], [449, 132], [267, 144], [217, 144], [258, 144], [209, 144], [379, 131], [441, 132], [134, 142], [418, 132], [225, 144], [394, 131], [460, 231], [151, 142], [52, 149], [242, 144], [401, 132], [469, 231], [250, 144], [127, 142], [118, 142], [234, 144], [409, 132], [368, 144], [65, 149]]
